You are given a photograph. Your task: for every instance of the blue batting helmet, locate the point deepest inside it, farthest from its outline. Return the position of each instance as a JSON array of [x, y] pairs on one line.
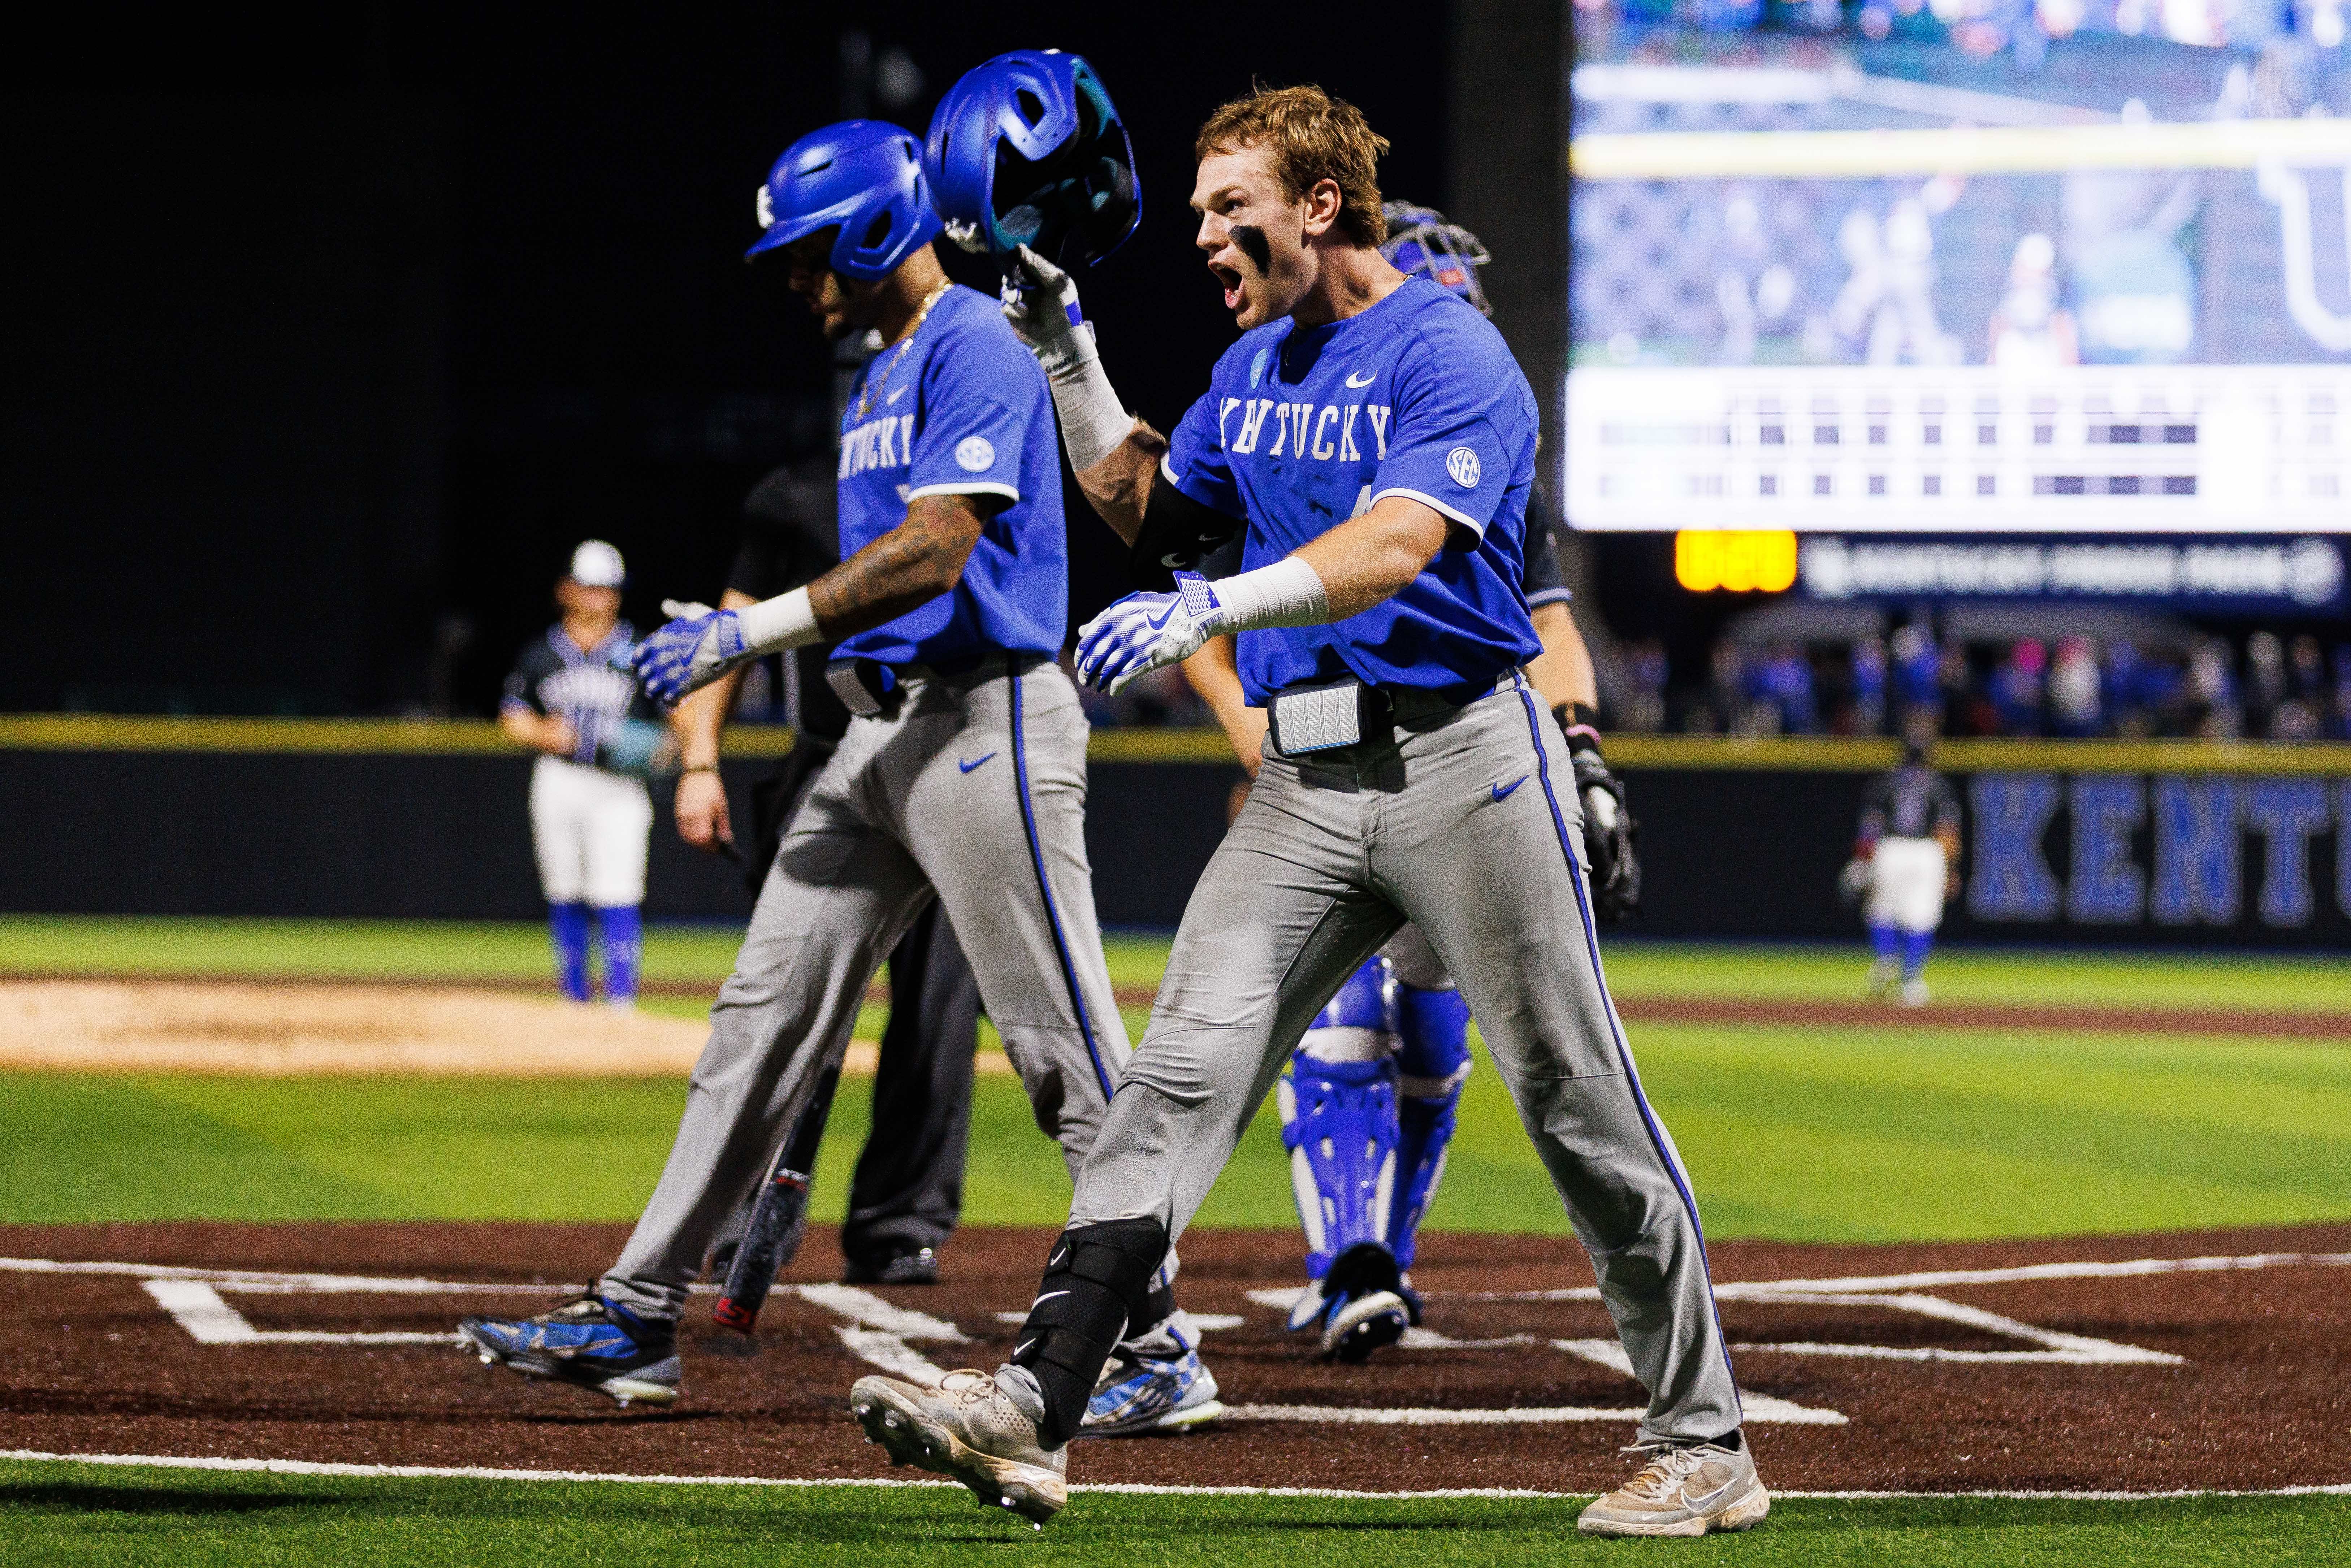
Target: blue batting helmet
[[863, 177], [1420, 240], [1026, 150]]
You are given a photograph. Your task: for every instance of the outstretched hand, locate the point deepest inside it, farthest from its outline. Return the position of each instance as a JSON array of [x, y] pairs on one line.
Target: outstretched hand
[[696, 646], [1145, 630]]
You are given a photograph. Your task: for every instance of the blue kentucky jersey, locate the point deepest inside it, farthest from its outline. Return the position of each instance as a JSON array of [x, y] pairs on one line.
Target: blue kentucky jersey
[[966, 413], [1303, 427]]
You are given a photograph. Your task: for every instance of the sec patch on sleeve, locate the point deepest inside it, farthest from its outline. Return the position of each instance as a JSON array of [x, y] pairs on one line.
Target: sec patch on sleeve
[[973, 454], [1461, 463]]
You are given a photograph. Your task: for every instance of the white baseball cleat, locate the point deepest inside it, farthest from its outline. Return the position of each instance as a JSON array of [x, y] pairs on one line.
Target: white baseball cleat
[[1685, 1489], [1882, 975], [966, 1429], [1914, 993]]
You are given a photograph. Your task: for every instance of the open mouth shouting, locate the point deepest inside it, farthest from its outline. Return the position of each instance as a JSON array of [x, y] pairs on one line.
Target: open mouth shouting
[[1230, 279]]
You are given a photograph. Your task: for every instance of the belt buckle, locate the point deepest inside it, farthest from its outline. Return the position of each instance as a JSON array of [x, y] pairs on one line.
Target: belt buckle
[[866, 687], [1317, 718]]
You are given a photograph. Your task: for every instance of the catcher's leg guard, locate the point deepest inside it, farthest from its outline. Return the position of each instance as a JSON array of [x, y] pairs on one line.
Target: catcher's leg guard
[[1337, 1107], [1433, 1062], [1097, 1282], [568, 924]]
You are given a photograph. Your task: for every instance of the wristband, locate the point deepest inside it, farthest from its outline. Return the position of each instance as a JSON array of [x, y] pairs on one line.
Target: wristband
[[699, 768], [1580, 722], [1094, 423], [1288, 593], [783, 622]]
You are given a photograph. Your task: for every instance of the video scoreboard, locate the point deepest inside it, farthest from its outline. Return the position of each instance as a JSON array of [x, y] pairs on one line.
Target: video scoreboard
[[1845, 285]]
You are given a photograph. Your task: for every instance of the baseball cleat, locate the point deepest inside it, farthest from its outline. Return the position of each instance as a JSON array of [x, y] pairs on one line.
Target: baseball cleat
[[1358, 1325], [919, 1267], [1139, 1393], [1361, 1303], [1882, 974], [966, 1429], [586, 1341], [1914, 993], [1685, 1489]]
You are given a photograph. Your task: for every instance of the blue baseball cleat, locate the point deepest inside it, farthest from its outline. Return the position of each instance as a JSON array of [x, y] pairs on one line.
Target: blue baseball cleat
[[586, 1341], [1141, 1392]]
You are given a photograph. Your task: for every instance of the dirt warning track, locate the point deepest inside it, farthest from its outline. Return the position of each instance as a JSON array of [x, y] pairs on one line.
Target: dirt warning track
[[2208, 1360]]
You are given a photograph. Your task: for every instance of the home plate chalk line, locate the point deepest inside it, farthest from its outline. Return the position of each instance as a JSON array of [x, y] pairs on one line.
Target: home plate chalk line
[[885, 1334], [484, 1473]]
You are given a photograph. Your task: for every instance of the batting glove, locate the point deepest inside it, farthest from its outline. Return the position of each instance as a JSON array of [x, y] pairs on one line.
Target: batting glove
[[1610, 831], [695, 648], [1145, 630], [1041, 301]]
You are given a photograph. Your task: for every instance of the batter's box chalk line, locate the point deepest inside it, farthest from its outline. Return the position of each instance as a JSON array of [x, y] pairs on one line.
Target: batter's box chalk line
[[1130, 1488], [886, 1336]]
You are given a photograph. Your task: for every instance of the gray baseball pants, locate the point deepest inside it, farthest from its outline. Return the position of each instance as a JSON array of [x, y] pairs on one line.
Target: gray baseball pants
[[974, 791], [1464, 821]]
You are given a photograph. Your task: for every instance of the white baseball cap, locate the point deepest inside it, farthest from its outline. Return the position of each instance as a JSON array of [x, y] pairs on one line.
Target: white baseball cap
[[596, 564]]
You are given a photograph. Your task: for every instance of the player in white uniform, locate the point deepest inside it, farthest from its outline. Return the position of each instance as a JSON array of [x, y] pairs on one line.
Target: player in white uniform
[[573, 698], [1902, 861]]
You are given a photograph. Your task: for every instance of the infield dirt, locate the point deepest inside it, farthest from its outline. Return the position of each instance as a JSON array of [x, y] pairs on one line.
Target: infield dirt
[[2236, 1376]]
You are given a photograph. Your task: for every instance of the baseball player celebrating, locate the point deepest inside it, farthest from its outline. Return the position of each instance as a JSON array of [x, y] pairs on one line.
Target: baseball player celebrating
[[573, 698], [1368, 1103], [962, 776], [1902, 861], [1379, 443]]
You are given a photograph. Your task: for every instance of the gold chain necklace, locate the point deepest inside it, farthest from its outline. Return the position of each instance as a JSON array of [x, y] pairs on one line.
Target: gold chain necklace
[[876, 383]]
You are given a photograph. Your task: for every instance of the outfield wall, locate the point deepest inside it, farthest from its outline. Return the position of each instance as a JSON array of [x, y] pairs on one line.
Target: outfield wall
[[2130, 844]]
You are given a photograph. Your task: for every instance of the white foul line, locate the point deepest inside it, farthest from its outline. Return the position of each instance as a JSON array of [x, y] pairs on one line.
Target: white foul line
[[1762, 1289], [1128, 1489]]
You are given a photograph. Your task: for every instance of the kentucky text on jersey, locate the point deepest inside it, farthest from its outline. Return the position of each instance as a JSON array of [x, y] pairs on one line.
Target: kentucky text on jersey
[[887, 443], [555, 677], [1303, 427], [965, 413]]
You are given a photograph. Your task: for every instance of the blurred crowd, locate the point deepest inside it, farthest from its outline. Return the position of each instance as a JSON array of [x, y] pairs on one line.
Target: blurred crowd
[[2074, 688], [2268, 688]]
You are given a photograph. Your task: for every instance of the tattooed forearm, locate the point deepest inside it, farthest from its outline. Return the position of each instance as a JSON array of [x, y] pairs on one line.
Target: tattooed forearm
[[911, 565]]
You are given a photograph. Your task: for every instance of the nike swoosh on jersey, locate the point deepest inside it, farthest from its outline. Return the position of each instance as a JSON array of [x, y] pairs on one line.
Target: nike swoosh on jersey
[[895, 396], [979, 762], [1504, 791], [1366, 379]]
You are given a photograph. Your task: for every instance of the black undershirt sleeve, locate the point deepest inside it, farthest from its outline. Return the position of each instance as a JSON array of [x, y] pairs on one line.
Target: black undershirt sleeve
[[1177, 532]]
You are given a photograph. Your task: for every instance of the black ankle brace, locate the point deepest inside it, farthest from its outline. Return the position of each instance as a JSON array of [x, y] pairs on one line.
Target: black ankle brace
[[1096, 1283]]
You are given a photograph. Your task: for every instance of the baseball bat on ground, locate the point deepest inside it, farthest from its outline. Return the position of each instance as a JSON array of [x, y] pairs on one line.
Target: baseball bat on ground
[[773, 1233]]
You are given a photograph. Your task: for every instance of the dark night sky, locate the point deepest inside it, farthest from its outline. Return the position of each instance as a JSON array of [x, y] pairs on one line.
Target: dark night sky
[[330, 332]]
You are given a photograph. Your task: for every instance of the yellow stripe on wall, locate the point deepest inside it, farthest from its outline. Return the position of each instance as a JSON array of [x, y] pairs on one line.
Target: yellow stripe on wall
[[360, 736]]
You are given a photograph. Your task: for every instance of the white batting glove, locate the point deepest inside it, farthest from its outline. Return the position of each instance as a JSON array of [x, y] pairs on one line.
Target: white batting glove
[[1041, 301], [695, 648], [1145, 630]]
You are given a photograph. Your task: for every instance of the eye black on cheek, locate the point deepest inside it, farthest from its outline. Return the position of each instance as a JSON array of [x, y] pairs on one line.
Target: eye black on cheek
[[1253, 242]]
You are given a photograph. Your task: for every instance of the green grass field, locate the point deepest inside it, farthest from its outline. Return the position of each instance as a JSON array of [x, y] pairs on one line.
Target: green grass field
[[1808, 1133], [55, 1513]]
